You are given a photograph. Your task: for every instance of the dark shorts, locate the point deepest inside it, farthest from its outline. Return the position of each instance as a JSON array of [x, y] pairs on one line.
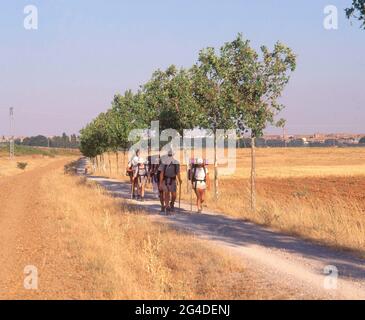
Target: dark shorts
[[170, 185]]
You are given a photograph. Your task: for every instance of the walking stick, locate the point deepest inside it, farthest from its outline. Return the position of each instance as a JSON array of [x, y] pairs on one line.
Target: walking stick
[[180, 197], [131, 195], [191, 194]]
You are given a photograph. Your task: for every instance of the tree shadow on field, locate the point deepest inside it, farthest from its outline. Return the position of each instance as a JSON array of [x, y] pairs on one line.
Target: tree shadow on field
[[239, 233]]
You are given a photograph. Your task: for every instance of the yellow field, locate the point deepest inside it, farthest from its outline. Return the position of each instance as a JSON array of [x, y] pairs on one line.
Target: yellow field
[[303, 162], [9, 167], [40, 157], [316, 193]]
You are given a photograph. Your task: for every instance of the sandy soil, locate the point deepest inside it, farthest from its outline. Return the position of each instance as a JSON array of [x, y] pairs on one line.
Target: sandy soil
[[30, 237]]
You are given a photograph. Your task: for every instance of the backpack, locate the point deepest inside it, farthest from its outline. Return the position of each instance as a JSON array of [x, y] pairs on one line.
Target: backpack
[[194, 174], [145, 169], [166, 166]]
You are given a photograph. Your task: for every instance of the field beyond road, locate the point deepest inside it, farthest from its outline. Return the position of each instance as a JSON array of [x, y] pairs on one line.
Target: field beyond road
[[32, 157]]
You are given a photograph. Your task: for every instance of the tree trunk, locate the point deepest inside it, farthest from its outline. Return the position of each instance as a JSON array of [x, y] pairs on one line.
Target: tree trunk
[[94, 164], [125, 161], [103, 162], [187, 160], [117, 157], [110, 163], [215, 168], [253, 174]]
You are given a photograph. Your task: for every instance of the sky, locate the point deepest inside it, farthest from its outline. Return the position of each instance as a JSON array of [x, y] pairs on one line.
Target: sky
[[66, 72]]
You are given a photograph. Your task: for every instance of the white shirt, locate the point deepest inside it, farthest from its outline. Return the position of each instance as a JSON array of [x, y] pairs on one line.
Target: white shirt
[[199, 173], [135, 161]]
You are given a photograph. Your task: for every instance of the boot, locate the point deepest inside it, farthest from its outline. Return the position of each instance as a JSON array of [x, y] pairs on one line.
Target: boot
[[172, 206]]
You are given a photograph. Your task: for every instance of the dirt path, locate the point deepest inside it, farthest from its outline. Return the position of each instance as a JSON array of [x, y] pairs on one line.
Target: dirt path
[[284, 259], [29, 237]]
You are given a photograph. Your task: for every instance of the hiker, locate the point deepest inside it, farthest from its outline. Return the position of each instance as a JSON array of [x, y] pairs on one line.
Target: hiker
[[169, 172], [131, 171], [200, 180], [141, 176], [155, 174]]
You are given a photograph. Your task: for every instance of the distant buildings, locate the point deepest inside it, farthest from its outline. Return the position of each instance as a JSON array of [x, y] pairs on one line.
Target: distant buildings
[[5, 139], [314, 140]]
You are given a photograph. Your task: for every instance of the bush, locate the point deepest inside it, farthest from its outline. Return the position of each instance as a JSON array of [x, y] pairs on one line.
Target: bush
[[22, 165], [362, 140]]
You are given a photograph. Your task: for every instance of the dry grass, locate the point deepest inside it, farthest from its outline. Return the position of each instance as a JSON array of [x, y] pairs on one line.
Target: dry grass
[[313, 209], [129, 257], [9, 167], [316, 193]]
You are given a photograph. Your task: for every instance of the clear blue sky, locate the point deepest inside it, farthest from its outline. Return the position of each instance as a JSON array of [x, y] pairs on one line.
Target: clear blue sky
[[62, 75]]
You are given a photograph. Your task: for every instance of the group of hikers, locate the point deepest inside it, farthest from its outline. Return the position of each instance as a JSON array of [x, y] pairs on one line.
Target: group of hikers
[[164, 174]]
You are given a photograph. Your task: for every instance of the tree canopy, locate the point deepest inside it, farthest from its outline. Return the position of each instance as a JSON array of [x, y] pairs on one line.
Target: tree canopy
[[357, 11], [234, 87]]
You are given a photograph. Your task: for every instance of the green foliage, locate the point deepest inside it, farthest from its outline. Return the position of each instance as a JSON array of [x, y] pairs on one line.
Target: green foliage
[[357, 11], [212, 92], [362, 140], [168, 98], [21, 150], [236, 88], [22, 165], [256, 82], [63, 141]]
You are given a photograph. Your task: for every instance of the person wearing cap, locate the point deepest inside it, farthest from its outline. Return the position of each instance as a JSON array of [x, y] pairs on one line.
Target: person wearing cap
[[201, 182], [169, 172]]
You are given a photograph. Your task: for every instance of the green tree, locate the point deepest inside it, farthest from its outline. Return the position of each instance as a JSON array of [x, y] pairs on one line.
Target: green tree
[[257, 81], [212, 92], [123, 117], [37, 141], [357, 11], [94, 140]]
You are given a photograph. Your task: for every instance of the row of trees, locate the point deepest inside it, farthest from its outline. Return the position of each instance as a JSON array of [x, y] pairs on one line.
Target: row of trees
[[235, 87], [63, 141]]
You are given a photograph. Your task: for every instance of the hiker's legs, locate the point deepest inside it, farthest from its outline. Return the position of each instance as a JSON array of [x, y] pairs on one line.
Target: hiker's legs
[[173, 198], [167, 198], [197, 197], [142, 190], [162, 200], [141, 186], [133, 186], [201, 197], [173, 189]]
